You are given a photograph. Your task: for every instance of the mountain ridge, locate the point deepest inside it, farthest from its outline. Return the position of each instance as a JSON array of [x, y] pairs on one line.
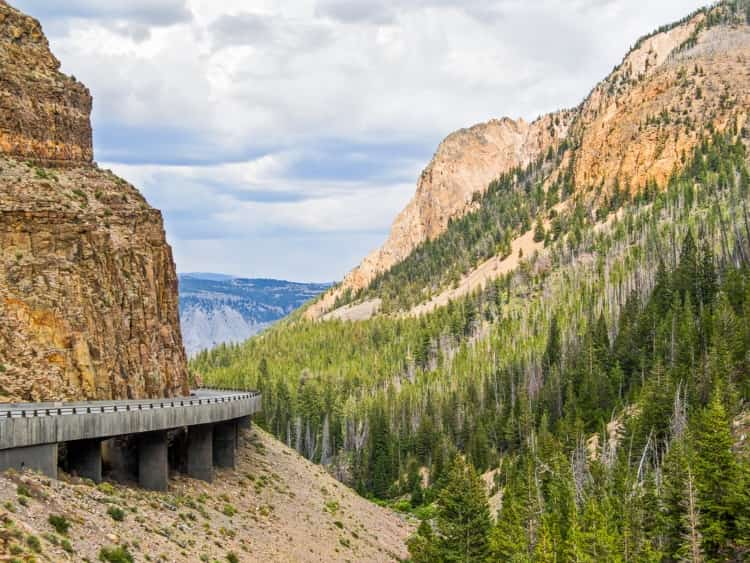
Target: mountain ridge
[[219, 308], [613, 137]]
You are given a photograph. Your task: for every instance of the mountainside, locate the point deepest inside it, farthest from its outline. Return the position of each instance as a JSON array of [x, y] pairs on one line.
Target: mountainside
[[578, 333], [634, 127], [217, 309], [88, 289], [266, 510]]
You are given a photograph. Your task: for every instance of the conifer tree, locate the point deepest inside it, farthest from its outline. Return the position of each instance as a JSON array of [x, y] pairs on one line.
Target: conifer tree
[[463, 517], [720, 481]]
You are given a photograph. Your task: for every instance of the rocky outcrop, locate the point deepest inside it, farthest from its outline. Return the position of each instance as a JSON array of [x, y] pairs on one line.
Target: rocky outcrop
[[44, 115], [464, 164], [634, 127], [88, 290]]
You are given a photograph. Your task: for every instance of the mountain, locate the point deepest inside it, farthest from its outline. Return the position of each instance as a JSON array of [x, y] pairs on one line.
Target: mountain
[[88, 289], [633, 128], [216, 308], [548, 358]]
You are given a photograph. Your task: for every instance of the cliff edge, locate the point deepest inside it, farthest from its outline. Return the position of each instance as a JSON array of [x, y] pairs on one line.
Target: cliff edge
[[88, 289]]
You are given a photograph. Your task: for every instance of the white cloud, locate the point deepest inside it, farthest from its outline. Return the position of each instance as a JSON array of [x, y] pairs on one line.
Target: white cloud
[[246, 116]]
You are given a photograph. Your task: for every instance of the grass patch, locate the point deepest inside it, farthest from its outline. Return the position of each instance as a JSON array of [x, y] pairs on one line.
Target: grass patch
[[116, 513], [118, 554], [34, 543], [59, 523]]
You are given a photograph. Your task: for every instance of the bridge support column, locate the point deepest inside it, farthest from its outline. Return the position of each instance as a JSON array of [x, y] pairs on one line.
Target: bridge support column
[[36, 458], [225, 444], [153, 463], [85, 459], [200, 452]]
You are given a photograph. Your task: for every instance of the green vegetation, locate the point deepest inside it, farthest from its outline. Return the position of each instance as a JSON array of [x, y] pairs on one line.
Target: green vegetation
[[116, 513], [118, 554], [507, 209], [34, 543], [598, 387], [60, 523]]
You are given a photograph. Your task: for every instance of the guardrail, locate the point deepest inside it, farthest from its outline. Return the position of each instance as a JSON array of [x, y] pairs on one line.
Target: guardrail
[[31, 410]]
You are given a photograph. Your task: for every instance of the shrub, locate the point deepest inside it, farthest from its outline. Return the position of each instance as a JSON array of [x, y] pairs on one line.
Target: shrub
[[229, 510], [106, 488], [23, 491], [232, 557], [66, 545], [34, 543], [116, 513], [119, 554], [59, 523]]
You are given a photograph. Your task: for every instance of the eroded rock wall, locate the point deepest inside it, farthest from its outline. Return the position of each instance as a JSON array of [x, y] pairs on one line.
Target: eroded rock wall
[[44, 115], [88, 289]]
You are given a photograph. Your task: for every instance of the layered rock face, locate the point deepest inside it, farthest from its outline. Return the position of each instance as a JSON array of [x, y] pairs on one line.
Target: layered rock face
[[464, 164], [88, 289], [44, 115], [634, 127]]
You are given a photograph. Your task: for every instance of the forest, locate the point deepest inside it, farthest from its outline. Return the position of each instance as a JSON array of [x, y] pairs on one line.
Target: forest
[[595, 396]]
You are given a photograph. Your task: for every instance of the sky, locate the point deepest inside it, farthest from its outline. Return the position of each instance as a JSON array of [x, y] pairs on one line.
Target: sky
[[280, 138]]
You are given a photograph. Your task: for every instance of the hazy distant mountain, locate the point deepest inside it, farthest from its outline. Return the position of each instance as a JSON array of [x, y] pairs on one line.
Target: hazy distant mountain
[[216, 308]]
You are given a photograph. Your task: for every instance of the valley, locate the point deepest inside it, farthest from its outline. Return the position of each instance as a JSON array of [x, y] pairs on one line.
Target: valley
[[548, 359]]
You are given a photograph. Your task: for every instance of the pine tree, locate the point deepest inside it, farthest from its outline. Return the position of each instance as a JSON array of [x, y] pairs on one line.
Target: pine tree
[[720, 481], [423, 545], [539, 232], [463, 516], [380, 466]]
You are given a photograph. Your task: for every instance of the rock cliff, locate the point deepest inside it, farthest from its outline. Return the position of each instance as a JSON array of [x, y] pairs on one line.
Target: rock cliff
[[88, 289], [44, 115], [633, 128]]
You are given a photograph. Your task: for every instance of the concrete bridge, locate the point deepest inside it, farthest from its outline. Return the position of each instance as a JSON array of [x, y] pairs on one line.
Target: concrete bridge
[[134, 440]]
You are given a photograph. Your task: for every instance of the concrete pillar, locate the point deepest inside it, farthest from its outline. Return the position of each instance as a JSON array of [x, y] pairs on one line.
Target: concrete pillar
[[85, 459], [153, 465], [35, 458], [225, 444], [200, 452]]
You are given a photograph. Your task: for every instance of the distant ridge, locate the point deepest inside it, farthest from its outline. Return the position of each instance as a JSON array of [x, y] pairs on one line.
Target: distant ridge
[[220, 308]]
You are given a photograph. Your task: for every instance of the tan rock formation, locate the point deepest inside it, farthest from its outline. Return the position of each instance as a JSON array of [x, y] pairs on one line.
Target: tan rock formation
[[88, 290], [464, 164], [44, 114], [634, 127]]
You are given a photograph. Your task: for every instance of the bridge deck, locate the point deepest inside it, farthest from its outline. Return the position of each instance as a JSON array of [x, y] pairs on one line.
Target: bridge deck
[[31, 424]]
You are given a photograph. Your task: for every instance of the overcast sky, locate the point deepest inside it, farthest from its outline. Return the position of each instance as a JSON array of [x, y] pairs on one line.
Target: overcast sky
[[281, 137]]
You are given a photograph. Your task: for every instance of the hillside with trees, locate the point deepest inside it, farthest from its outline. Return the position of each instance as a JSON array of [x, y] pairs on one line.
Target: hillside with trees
[[590, 405]]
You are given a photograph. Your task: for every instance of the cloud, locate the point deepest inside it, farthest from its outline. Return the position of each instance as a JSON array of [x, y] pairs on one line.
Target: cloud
[[255, 120], [148, 12]]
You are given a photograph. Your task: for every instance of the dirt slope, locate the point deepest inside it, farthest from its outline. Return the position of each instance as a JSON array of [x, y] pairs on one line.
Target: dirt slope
[[275, 507]]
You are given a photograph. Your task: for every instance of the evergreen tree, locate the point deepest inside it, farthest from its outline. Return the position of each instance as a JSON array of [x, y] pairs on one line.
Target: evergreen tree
[[380, 466], [423, 545], [720, 482], [463, 516]]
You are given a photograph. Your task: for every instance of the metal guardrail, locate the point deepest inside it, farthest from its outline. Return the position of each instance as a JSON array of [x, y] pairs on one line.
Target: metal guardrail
[[32, 410]]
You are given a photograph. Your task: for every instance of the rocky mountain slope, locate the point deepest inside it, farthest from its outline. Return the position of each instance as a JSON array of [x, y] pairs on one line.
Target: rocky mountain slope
[[88, 289], [267, 510], [216, 309], [634, 127]]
